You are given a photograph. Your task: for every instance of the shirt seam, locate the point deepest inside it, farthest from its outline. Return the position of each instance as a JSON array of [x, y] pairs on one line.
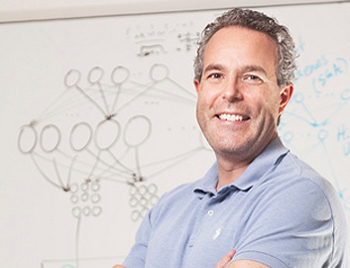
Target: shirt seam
[[332, 216], [263, 253], [302, 176]]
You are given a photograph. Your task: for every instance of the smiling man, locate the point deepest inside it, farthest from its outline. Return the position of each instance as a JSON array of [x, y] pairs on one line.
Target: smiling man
[[239, 99], [258, 206]]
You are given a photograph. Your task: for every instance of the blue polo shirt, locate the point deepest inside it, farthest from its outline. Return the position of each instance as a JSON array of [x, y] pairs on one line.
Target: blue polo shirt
[[279, 212]]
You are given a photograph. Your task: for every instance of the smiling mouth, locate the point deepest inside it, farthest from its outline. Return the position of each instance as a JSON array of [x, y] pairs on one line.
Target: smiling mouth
[[233, 117]]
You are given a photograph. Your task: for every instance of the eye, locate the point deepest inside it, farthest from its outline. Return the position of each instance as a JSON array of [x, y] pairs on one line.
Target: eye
[[252, 79], [215, 76]]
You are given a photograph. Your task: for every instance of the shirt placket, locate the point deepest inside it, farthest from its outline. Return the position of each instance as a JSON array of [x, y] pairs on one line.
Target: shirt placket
[[205, 214]]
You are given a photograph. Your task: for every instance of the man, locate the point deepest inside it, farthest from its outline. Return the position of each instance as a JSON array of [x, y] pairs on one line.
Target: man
[[258, 206]]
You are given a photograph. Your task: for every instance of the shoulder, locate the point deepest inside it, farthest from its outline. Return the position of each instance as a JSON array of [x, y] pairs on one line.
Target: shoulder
[[295, 178], [294, 187], [295, 209]]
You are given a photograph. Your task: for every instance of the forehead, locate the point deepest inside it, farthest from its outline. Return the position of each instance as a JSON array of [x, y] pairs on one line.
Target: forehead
[[240, 44]]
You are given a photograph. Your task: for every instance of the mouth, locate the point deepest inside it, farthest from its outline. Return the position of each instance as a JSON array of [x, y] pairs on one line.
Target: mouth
[[232, 117]]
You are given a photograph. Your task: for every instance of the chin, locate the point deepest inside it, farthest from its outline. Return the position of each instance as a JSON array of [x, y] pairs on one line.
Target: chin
[[229, 147]]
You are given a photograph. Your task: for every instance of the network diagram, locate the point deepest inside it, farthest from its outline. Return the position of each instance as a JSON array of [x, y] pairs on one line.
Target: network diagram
[[97, 132], [313, 125]]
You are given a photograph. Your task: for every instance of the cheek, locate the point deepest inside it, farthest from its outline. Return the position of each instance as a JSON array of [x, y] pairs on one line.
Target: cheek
[[206, 99], [275, 104], [200, 107], [205, 110], [266, 105], [271, 96], [272, 109], [202, 111]]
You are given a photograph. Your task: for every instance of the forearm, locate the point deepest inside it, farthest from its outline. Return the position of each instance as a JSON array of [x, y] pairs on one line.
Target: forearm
[[224, 262]]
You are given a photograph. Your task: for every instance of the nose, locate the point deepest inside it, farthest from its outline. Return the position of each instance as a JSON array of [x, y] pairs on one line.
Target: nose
[[232, 91]]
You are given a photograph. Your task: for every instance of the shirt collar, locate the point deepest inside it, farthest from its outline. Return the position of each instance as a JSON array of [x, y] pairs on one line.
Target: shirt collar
[[263, 162]]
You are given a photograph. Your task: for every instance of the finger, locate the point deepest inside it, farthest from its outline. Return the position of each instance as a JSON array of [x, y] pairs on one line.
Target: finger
[[226, 259]]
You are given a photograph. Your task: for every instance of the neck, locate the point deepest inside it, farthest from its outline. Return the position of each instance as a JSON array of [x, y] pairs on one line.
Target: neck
[[232, 165], [229, 172]]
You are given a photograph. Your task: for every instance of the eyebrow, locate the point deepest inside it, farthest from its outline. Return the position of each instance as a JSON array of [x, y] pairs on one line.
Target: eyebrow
[[247, 68], [214, 66], [255, 68]]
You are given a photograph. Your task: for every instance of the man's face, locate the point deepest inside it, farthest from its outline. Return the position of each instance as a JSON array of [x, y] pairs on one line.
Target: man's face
[[239, 100]]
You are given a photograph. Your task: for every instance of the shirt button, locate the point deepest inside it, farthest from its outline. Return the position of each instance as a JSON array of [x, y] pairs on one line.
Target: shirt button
[[210, 212]]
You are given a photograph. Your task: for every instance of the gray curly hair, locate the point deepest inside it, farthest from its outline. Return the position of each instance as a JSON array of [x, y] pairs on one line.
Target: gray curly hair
[[285, 66]]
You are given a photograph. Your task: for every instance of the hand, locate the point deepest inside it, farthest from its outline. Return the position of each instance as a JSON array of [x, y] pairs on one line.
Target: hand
[[118, 266], [225, 260]]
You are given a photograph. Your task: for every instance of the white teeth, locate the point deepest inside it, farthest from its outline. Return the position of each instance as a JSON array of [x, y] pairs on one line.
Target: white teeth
[[231, 117]]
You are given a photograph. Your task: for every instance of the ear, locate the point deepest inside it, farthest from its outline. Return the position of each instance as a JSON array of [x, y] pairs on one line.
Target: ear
[[285, 96], [196, 83]]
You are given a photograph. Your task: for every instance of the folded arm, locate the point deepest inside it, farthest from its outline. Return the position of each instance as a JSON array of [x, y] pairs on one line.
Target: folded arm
[[224, 262]]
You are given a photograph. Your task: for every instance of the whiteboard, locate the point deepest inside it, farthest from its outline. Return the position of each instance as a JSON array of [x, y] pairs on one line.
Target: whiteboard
[[98, 121]]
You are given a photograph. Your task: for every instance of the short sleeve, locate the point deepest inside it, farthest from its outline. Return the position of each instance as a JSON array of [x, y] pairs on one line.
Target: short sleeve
[[289, 226], [137, 255]]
